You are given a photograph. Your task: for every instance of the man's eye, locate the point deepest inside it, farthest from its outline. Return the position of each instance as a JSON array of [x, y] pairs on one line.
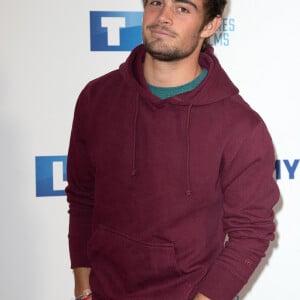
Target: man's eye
[[183, 10], [155, 3]]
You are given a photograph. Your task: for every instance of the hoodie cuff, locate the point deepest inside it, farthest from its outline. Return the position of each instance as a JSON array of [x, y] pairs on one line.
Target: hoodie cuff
[[219, 283], [78, 254]]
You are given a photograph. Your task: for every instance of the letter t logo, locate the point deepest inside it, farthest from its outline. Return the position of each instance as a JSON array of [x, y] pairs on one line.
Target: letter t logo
[[113, 26]]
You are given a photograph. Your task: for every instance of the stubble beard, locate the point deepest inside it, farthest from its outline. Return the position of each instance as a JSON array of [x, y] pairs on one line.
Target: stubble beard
[[163, 51]]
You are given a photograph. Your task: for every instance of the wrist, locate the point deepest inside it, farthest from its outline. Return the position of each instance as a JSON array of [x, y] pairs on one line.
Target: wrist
[[85, 295], [200, 296]]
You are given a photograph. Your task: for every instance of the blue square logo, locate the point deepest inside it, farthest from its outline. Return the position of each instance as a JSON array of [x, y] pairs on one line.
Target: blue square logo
[[51, 175], [115, 31]]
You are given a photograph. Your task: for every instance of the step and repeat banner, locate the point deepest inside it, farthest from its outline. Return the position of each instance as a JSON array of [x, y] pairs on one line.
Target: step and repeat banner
[[50, 50]]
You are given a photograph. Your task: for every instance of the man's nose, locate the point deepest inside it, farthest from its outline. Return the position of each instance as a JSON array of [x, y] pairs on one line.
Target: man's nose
[[165, 16]]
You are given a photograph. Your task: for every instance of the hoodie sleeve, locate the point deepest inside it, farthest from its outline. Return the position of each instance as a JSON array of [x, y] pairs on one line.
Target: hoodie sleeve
[[250, 192], [80, 189]]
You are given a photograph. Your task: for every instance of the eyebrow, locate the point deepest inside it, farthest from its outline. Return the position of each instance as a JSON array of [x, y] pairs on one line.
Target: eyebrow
[[187, 2]]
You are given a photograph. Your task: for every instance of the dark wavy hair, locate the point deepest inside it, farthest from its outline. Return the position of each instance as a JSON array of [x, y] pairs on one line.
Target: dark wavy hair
[[213, 8]]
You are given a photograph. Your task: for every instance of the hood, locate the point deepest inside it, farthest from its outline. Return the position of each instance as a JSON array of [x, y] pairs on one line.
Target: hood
[[215, 87]]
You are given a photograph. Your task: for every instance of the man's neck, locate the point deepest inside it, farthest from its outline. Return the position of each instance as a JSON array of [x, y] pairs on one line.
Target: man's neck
[[172, 73]]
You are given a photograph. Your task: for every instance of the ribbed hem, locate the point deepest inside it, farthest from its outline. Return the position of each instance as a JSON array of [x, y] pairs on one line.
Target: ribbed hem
[[219, 284]]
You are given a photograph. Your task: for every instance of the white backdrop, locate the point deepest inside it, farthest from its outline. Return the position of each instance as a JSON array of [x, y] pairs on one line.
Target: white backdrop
[[45, 60]]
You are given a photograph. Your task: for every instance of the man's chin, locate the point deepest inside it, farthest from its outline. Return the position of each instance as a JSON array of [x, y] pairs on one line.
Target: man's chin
[[160, 52], [163, 54]]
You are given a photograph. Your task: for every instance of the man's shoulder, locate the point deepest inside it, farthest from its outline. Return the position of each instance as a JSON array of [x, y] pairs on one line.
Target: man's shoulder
[[239, 118], [236, 108], [113, 78], [101, 90]]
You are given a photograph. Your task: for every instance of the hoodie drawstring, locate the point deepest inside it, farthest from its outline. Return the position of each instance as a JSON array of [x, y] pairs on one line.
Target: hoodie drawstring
[[133, 172], [188, 191]]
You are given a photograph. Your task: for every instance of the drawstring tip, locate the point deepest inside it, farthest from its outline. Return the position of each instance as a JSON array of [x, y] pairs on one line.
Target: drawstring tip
[[133, 172], [188, 192]]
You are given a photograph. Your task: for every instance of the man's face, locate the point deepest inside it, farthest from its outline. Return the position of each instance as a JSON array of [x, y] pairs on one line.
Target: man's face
[[171, 28]]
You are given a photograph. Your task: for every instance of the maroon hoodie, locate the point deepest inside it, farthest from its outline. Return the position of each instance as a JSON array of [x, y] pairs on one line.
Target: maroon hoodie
[[156, 186]]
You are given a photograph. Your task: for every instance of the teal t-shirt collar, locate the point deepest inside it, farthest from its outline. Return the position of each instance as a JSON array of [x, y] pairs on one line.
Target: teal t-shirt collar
[[167, 92]]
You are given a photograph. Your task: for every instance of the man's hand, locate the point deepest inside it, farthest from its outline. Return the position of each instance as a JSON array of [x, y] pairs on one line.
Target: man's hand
[[200, 297]]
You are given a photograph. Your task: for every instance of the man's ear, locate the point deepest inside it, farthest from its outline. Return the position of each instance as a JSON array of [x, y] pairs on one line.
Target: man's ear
[[211, 27]]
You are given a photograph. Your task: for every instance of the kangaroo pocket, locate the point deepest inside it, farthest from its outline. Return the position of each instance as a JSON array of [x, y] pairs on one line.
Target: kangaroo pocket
[[123, 265]]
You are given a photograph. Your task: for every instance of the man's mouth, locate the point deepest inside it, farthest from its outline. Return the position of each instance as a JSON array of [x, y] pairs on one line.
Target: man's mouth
[[161, 32]]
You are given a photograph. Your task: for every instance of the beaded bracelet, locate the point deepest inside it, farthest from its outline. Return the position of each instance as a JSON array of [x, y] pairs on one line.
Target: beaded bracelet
[[85, 295]]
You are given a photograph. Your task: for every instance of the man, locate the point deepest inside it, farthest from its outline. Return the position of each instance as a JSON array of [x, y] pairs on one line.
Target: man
[[166, 162]]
